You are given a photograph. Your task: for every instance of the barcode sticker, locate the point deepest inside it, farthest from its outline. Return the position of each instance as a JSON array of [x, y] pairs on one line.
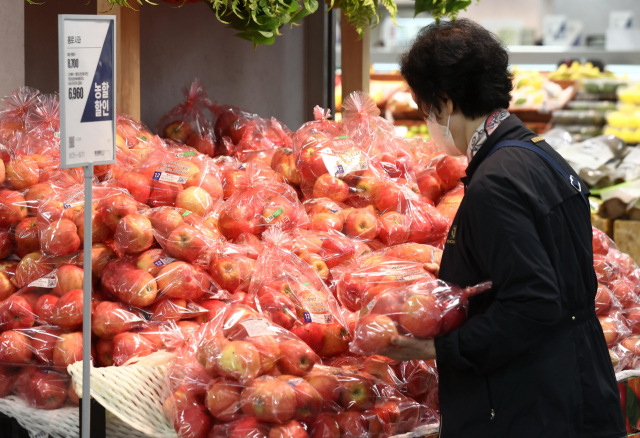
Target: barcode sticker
[[169, 177], [99, 153], [48, 281], [256, 326], [273, 215], [318, 319], [164, 261]]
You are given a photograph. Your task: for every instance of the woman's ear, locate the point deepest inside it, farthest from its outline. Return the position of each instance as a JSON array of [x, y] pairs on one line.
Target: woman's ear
[[449, 105]]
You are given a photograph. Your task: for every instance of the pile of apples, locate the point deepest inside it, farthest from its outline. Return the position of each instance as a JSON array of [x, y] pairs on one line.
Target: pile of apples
[[617, 301], [239, 376]]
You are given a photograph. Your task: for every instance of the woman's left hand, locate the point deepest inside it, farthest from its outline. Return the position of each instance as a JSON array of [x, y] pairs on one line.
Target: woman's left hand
[[406, 348]]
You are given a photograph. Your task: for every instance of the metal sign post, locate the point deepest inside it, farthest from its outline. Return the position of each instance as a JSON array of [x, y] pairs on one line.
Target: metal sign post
[[87, 69]]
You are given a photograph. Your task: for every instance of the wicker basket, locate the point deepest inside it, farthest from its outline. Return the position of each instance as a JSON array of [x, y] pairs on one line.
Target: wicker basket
[[132, 393]]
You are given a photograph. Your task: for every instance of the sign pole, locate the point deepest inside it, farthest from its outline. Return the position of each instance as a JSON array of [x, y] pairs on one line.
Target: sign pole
[[86, 305], [87, 71]]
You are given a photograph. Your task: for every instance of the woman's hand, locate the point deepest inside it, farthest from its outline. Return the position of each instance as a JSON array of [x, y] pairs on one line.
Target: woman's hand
[[406, 348]]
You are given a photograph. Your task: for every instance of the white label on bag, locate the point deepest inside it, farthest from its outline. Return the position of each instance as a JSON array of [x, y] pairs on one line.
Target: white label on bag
[[256, 326], [185, 154], [48, 281], [164, 261], [341, 163], [273, 215], [169, 177], [318, 319]]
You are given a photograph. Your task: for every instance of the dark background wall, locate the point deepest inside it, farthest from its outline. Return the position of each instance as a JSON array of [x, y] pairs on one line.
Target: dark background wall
[[180, 44]]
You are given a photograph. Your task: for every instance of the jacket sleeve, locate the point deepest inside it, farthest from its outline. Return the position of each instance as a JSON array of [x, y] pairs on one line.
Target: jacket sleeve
[[503, 239]]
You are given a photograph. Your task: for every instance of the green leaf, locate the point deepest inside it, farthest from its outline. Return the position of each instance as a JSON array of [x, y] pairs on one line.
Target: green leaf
[[632, 406], [256, 37]]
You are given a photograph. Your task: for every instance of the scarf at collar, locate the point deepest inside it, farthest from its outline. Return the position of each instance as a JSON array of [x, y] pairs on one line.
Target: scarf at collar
[[485, 129]]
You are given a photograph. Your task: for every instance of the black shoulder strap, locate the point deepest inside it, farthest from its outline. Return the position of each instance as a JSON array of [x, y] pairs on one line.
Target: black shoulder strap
[[575, 183]]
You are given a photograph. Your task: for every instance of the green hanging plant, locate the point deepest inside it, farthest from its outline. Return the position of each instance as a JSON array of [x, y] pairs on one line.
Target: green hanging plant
[[260, 21]]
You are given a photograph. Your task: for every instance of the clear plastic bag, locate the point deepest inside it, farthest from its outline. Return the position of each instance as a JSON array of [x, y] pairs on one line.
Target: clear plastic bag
[[425, 309], [186, 122], [290, 293]]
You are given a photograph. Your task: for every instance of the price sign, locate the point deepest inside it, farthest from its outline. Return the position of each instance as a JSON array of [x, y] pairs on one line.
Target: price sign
[[87, 89]]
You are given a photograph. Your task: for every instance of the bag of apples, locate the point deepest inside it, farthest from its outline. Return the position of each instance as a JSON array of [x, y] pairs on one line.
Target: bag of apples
[[441, 174], [375, 135], [186, 122], [324, 250], [177, 177], [246, 133], [358, 282], [13, 111], [290, 293], [426, 309], [227, 370], [260, 204]]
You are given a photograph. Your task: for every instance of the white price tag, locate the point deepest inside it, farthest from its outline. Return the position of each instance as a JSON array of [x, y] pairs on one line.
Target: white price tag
[[86, 61], [256, 326], [319, 319], [342, 163], [169, 177], [48, 281]]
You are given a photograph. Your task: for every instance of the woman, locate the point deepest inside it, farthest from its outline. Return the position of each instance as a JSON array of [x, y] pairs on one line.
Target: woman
[[531, 361]]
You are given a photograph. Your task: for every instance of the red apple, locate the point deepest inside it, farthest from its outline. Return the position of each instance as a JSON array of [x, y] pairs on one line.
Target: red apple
[[223, 400], [67, 313], [49, 389], [177, 131], [16, 313], [137, 184], [7, 288], [269, 400], [104, 352], [196, 200], [44, 307], [311, 334], [326, 222], [234, 317], [284, 163], [327, 386], [352, 424], [600, 242], [325, 426], [290, 429], [68, 349], [394, 228], [69, 277], [182, 280], [128, 345], [335, 251], [357, 393], [36, 194], [310, 162], [60, 238], [13, 208], [232, 273], [203, 143], [165, 220], [361, 223], [373, 334], [7, 378], [15, 348], [187, 243], [327, 186], [239, 360], [23, 172], [26, 236], [114, 208], [421, 316], [110, 319], [335, 340], [248, 427], [168, 309], [133, 234], [296, 358]]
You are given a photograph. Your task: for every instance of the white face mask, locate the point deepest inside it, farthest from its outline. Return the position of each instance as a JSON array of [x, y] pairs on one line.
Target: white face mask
[[442, 136]]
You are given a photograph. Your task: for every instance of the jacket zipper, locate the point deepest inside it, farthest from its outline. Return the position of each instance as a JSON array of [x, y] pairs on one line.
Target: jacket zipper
[[493, 412]]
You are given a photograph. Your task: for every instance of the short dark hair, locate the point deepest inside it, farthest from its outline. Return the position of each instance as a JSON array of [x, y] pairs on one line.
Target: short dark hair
[[461, 60]]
